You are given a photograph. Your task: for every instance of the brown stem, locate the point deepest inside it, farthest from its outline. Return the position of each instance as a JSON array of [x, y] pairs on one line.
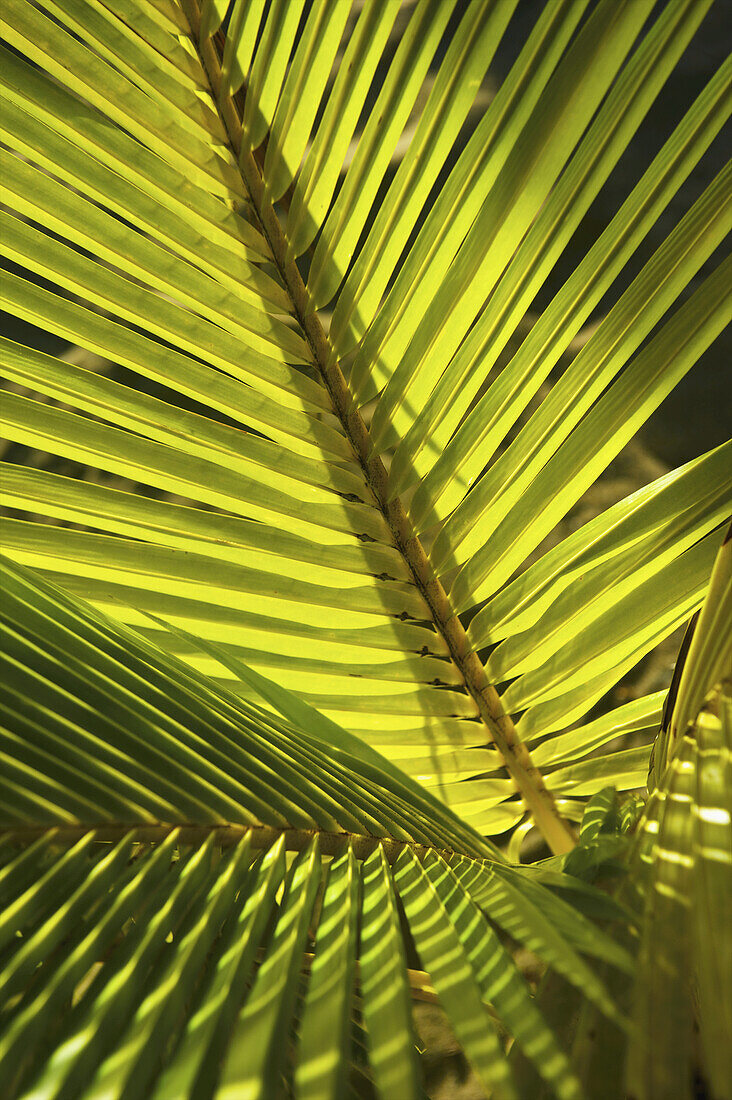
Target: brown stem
[[226, 835], [529, 781]]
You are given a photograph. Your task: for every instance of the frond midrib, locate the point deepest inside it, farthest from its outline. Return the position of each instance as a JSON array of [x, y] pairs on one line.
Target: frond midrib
[[529, 781], [226, 835]]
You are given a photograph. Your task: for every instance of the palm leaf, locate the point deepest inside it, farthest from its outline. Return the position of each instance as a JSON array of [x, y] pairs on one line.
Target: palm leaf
[[685, 851], [149, 826], [153, 234], [678, 891]]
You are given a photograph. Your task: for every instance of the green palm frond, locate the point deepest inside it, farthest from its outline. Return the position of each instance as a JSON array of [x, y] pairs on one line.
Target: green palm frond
[[335, 483], [171, 854], [685, 884], [285, 646], [676, 877]]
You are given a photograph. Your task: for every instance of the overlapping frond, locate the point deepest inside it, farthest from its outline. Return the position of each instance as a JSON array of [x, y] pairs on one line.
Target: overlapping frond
[[684, 980], [678, 884], [144, 147], [199, 897]]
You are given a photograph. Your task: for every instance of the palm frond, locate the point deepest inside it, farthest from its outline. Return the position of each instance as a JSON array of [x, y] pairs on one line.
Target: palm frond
[[675, 878], [332, 488], [685, 884], [175, 860]]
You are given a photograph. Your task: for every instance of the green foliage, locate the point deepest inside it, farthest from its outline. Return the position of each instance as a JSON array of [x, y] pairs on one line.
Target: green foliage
[[288, 670]]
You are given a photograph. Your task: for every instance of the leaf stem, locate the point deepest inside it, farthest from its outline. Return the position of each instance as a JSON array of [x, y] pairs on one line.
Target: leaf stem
[[226, 835], [557, 832]]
